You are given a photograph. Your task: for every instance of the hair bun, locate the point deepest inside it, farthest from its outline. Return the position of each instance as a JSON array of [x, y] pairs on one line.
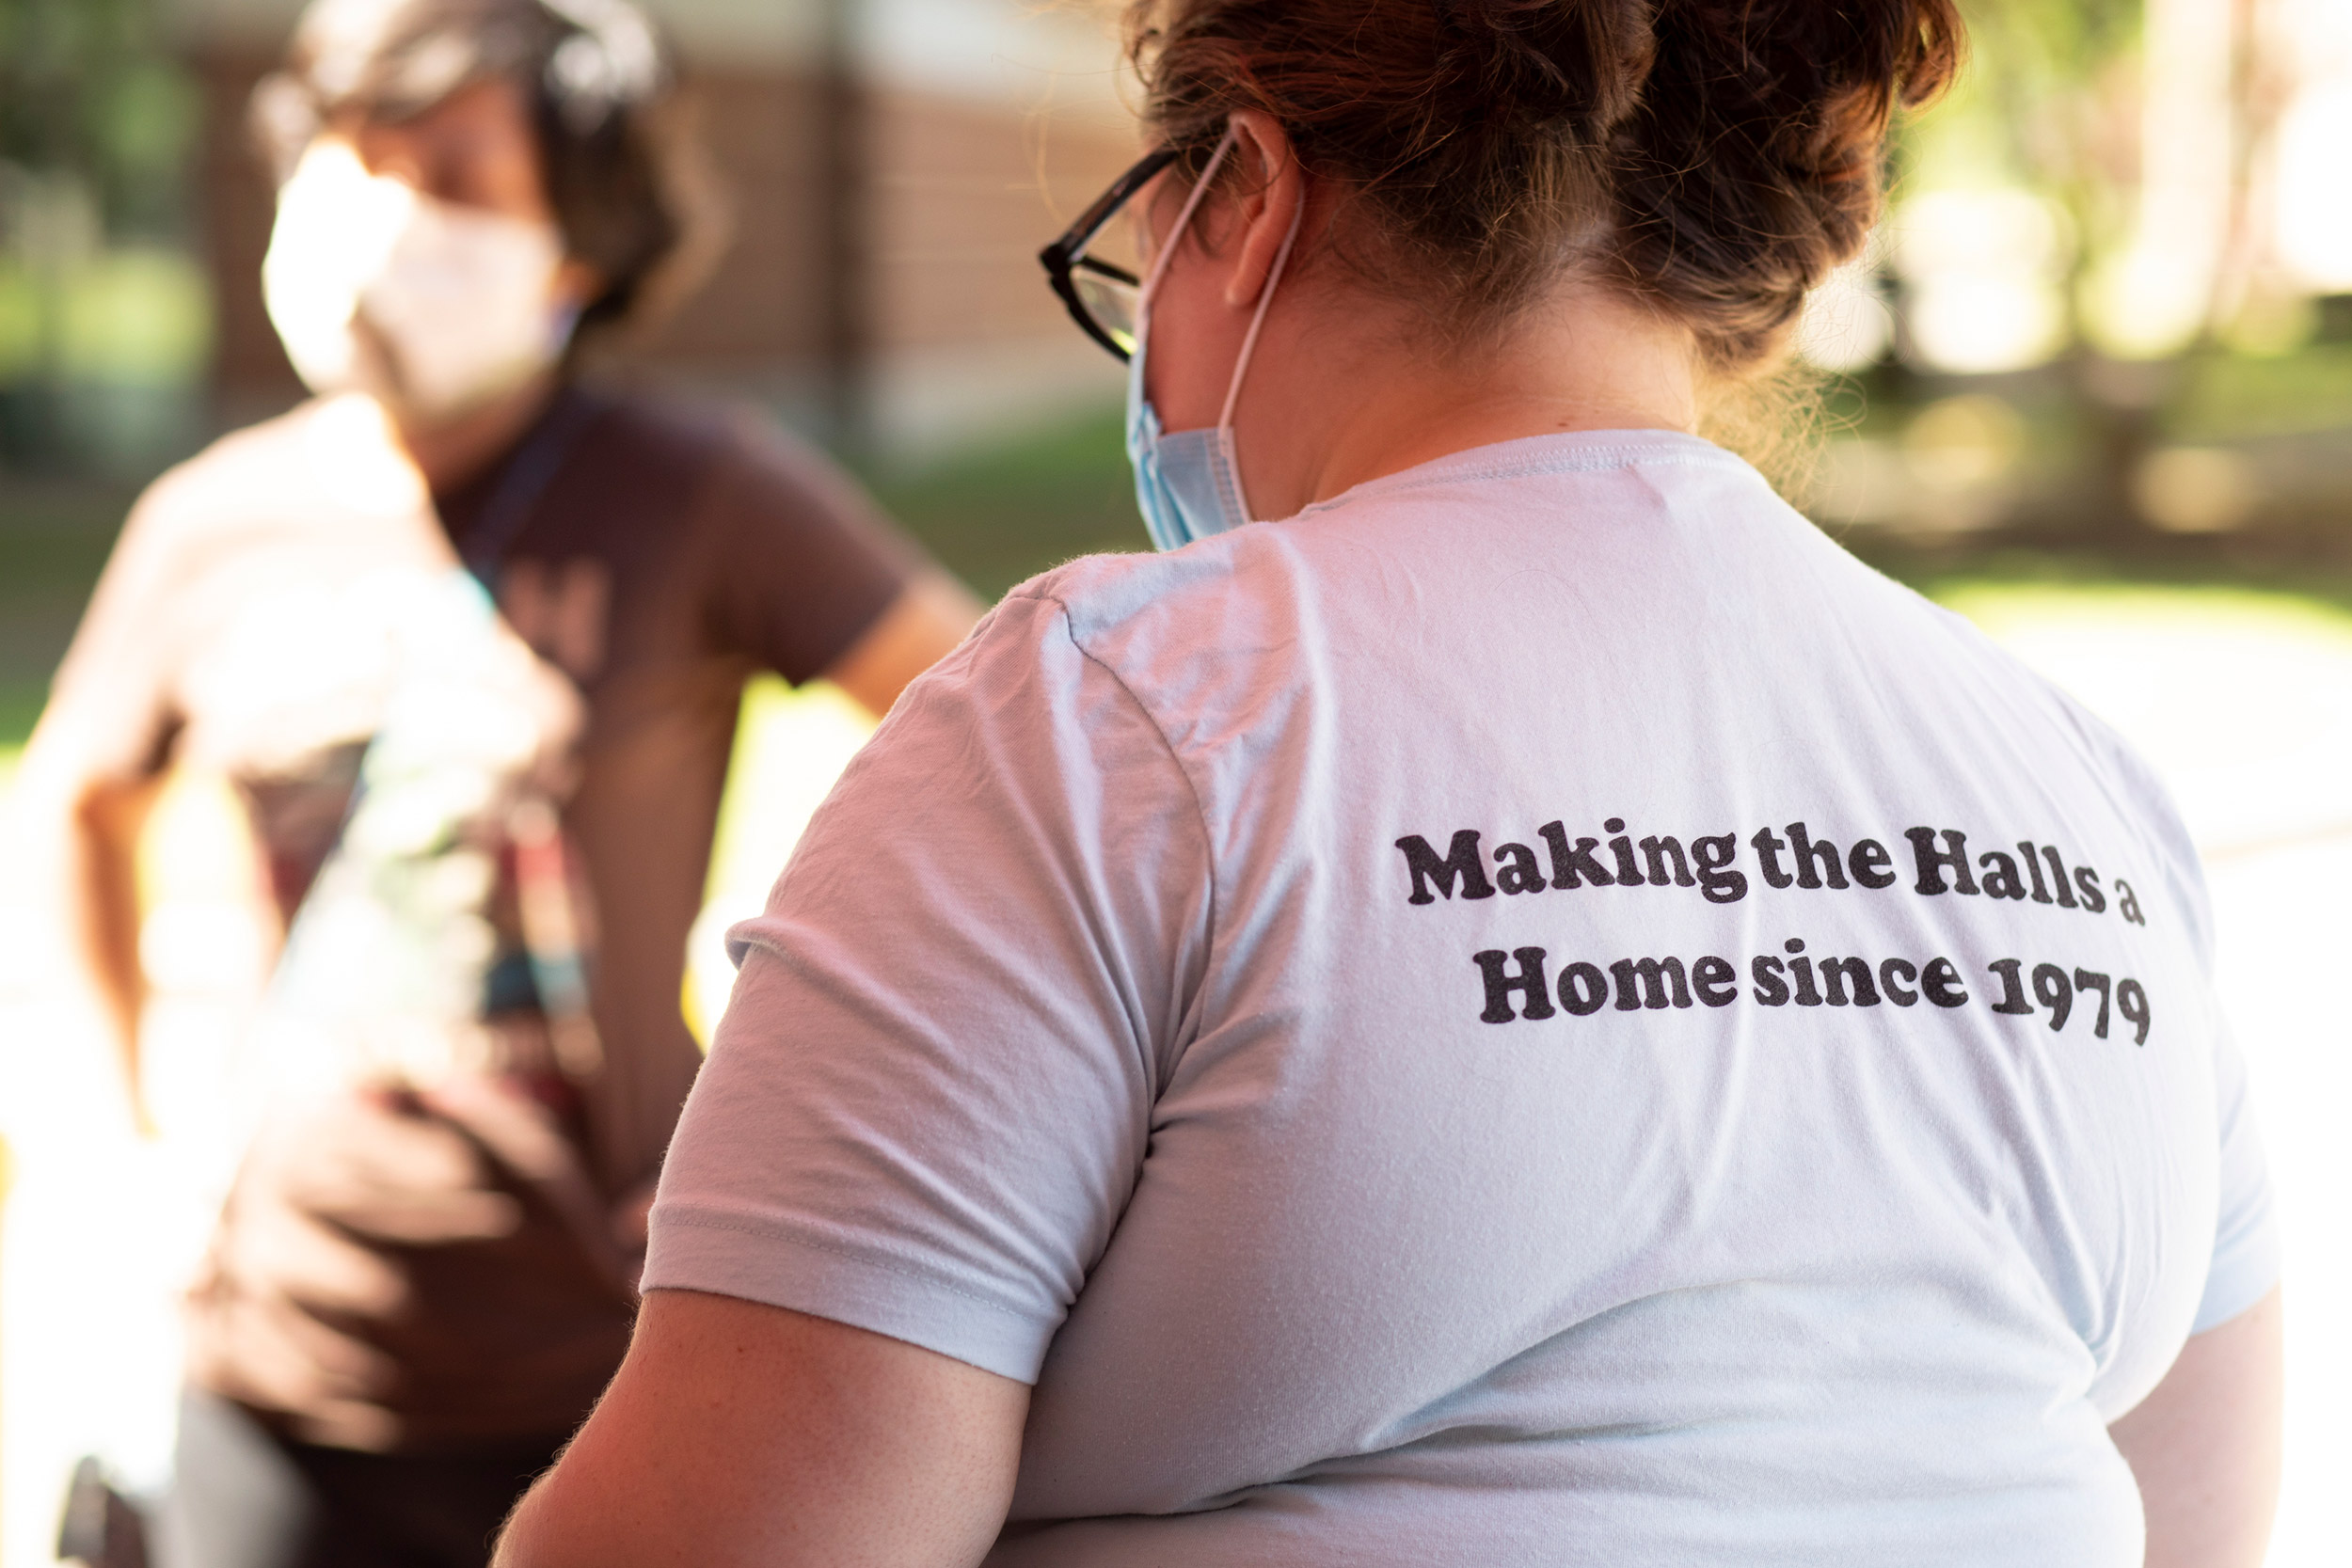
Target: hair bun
[[1752, 167], [1716, 156], [1582, 62]]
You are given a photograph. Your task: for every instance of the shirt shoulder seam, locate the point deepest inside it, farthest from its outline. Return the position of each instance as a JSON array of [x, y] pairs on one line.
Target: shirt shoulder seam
[[1199, 807]]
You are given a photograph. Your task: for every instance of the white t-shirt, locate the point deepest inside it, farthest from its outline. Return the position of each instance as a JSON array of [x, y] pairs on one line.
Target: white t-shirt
[[1326, 1006]]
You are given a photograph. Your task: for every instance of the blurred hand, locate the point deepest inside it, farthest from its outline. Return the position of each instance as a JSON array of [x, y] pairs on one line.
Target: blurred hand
[[380, 1166], [397, 1266]]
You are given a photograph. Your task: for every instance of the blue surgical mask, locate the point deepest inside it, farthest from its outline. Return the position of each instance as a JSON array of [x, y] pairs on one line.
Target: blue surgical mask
[[1188, 482]]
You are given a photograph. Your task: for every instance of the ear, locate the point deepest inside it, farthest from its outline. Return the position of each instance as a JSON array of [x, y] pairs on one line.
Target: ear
[[1276, 189]]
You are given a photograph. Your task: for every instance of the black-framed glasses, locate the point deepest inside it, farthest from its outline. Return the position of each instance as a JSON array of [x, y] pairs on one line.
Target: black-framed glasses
[[1103, 297]]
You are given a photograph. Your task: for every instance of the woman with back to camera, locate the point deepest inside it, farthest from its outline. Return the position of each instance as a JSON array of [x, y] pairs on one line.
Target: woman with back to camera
[[1530, 1010]]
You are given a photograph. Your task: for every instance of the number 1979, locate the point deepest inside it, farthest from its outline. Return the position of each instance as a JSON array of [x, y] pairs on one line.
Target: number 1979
[[2057, 991]]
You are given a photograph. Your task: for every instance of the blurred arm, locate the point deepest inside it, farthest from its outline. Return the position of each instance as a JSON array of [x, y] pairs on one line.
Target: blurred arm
[[100, 882], [741, 1433], [928, 618], [76, 828], [94, 767], [2205, 1445]]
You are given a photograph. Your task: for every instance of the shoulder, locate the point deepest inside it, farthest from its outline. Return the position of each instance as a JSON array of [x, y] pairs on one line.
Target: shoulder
[[266, 442], [1208, 642], [641, 422], [1959, 659], [1101, 622], [2145, 803], [736, 445], [1958, 646], [308, 472], [1022, 707], [1136, 612], [259, 461], [1100, 594]]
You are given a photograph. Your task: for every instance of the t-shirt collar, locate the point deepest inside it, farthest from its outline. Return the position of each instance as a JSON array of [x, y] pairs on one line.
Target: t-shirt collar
[[1564, 452]]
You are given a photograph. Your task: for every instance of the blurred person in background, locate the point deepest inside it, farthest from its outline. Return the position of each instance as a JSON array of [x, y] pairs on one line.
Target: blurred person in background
[[470, 640], [1522, 1007]]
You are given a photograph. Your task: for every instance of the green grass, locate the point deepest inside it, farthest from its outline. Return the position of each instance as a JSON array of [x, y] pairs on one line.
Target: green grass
[[2229, 397], [20, 707], [1997, 606], [1949, 573], [998, 514], [54, 539]]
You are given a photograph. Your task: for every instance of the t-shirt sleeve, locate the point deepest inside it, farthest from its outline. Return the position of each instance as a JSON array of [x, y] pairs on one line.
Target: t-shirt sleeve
[[802, 561], [2246, 1258], [929, 1098], [109, 713], [2246, 1250]]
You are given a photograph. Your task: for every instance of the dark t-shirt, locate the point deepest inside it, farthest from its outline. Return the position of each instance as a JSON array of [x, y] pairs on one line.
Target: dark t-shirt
[[252, 621], [671, 554]]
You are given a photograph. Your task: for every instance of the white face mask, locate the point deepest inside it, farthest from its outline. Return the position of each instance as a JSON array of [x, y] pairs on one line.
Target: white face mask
[[432, 308]]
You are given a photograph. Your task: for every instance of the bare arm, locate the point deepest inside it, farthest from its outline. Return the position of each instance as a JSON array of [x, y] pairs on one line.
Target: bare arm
[[93, 769], [75, 831], [739, 1433], [926, 619], [2205, 1445], [101, 884]]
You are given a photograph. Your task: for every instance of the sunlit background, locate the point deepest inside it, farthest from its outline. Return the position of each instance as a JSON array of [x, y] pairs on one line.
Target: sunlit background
[[2091, 385]]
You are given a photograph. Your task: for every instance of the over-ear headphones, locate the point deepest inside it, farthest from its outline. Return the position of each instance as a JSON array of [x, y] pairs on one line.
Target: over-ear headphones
[[610, 63]]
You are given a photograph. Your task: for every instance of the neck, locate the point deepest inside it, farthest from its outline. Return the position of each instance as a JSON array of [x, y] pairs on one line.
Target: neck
[[1337, 395], [448, 453]]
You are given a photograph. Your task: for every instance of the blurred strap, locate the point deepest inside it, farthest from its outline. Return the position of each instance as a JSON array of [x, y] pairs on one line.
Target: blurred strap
[[528, 474], [546, 897]]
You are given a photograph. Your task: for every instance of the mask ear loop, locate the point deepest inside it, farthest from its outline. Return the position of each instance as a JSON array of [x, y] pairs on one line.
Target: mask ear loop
[[1265, 297], [1176, 234], [1248, 348]]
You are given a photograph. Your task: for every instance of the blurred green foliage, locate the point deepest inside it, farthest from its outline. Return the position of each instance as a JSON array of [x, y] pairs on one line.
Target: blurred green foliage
[[2039, 91], [90, 91], [137, 316], [105, 320], [2037, 105]]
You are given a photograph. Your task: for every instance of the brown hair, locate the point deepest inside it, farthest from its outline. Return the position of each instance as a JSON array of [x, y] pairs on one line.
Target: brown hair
[[1715, 157], [623, 171]]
